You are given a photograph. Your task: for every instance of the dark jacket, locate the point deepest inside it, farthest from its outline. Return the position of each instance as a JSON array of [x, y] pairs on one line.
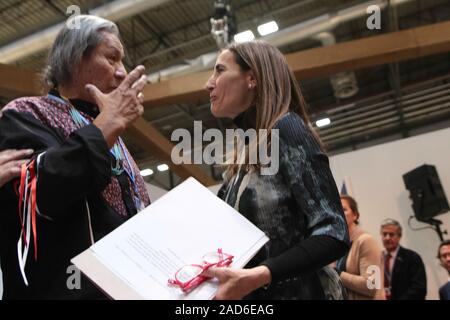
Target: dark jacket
[[409, 281], [444, 291]]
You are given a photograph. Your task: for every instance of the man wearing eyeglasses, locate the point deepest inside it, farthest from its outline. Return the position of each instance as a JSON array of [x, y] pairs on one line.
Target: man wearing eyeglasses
[[404, 271]]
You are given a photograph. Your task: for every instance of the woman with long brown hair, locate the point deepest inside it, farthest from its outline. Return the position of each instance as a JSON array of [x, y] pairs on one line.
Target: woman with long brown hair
[[297, 205]]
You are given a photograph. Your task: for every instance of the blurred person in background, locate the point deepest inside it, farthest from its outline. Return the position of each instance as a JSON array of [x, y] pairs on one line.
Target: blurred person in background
[[364, 261], [404, 271]]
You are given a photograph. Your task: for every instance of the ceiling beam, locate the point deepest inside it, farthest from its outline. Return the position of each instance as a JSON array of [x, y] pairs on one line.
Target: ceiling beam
[[151, 140], [357, 54], [188, 88], [372, 51], [15, 82]]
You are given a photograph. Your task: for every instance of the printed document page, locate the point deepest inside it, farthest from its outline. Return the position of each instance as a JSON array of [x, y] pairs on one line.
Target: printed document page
[[176, 230]]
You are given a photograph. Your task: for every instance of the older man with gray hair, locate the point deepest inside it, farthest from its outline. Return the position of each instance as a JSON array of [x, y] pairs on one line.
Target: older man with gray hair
[[404, 271], [81, 182]]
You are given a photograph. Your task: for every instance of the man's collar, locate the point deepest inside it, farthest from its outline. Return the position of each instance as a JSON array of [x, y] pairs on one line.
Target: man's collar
[[393, 253]]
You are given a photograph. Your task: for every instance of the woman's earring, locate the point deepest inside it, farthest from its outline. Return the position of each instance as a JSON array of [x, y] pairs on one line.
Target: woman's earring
[[250, 86]]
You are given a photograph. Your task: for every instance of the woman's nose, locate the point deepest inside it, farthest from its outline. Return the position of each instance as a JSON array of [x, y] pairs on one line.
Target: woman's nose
[[209, 84]]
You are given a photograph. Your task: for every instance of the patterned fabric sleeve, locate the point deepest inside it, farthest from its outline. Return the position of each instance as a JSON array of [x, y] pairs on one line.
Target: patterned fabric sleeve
[[305, 169], [69, 169]]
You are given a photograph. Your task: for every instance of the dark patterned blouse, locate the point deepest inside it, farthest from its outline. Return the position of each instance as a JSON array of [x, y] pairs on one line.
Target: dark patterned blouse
[[299, 209]]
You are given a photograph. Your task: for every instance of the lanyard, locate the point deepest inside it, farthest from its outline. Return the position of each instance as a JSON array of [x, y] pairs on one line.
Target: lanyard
[[117, 151]]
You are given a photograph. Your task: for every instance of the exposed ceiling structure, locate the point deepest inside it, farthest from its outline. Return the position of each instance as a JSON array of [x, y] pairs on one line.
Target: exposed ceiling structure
[[393, 100]]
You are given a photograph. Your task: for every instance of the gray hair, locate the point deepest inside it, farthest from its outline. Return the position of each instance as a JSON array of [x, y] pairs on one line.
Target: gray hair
[[76, 39], [392, 222]]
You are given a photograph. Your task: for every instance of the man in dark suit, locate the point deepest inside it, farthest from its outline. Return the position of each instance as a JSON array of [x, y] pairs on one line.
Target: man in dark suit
[[444, 257], [404, 271]]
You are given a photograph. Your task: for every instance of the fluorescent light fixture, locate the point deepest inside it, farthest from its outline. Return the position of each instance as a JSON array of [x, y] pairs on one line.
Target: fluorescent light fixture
[[146, 172], [162, 167], [268, 28], [323, 122], [244, 36]]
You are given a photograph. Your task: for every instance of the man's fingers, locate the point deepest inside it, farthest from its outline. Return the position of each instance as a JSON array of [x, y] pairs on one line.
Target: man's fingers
[[15, 169], [16, 164], [132, 77], [140, 98], [140, 110], [20, 154], [10, 174], [11, 170], [6, 152], [5, 155], [8, 155], [140, 83]]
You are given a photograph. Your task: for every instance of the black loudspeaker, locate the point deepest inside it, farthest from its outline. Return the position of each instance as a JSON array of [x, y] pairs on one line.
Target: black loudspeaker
[[426, 192]]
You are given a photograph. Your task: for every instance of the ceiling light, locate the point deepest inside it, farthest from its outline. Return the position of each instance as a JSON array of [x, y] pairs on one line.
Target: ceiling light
[[146, 172], [323, 122], [268, 28], [244, 36], [162, 167]]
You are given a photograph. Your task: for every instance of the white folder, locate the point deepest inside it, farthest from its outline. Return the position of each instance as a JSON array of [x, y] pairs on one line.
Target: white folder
[[136, 260]]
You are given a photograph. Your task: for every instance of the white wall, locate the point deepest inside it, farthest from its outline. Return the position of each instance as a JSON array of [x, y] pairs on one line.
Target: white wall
[[376, 177]]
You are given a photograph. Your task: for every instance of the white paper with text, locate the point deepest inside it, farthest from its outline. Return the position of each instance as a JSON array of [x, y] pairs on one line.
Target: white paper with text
[[178, 229]]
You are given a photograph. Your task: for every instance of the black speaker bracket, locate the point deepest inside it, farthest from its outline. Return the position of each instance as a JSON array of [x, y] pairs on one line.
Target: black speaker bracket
[[436, 225]]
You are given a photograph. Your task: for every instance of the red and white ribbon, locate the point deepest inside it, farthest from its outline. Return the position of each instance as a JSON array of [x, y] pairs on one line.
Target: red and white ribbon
[[27, 213]]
